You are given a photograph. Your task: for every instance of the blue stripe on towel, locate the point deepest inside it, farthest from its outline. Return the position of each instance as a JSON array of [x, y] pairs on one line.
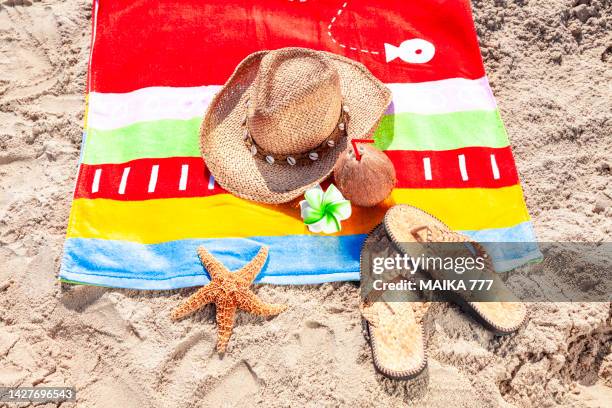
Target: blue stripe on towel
[[295, 259], [509, 247]]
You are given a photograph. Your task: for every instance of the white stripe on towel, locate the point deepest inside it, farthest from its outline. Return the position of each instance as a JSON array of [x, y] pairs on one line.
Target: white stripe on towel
[[124, 178], [427, 167], [184, 175], [153, 179], [115, 110], [96, 181], [462, 168], [494, 167]]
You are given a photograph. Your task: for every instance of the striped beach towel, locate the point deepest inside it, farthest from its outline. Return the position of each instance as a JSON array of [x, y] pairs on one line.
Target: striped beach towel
[[144, 200]]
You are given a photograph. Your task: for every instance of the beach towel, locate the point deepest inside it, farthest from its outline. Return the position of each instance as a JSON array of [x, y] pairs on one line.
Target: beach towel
[[144, 200]]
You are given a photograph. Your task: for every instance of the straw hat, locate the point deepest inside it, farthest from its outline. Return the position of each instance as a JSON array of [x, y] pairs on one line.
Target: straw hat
[[278, 125]]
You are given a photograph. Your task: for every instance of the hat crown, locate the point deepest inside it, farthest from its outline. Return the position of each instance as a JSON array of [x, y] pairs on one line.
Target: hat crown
[[295, 103]]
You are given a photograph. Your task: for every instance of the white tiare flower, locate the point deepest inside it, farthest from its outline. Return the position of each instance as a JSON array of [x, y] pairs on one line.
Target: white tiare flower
[[323, 211]]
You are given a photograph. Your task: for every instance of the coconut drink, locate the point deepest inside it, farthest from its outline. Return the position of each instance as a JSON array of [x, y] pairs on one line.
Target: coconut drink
[[365, 175]]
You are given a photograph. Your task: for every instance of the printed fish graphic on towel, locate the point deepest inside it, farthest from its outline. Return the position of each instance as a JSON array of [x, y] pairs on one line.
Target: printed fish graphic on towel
[[415, 51]]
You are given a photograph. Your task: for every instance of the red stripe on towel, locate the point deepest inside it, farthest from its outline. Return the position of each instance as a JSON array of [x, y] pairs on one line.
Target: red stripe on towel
[[444, 168], [195, 42]]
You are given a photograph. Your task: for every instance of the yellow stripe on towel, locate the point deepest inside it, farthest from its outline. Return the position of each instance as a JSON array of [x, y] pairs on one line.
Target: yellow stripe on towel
[[223, 215]]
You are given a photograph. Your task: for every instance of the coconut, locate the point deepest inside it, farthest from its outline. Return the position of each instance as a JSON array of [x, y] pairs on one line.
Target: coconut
[[368, 181]]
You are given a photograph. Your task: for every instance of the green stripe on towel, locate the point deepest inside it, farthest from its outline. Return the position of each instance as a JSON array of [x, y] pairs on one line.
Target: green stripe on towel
[[403, 131], [155, 139], [411, 131]]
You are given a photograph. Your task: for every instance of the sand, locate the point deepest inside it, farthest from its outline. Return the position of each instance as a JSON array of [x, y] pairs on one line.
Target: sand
[[550, 66]]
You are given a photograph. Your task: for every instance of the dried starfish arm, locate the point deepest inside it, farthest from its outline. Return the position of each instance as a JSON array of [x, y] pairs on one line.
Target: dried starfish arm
[[212, 265], [249, 272], [226, 311], [247, 301], [202, 297]]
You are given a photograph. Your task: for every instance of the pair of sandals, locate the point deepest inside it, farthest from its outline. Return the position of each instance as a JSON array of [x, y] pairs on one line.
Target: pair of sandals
[[394, 329]]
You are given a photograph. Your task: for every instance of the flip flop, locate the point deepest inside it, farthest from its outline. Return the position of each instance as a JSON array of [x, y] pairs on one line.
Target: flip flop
[[406, 225], [395, 336]]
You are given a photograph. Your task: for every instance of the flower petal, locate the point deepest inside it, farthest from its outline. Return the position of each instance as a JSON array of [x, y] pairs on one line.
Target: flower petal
[[327, 225], [309, 214], [317, 226], [330, 224], [332, 195], [314, 197], [303, 207], [340, 209], [312, 216]]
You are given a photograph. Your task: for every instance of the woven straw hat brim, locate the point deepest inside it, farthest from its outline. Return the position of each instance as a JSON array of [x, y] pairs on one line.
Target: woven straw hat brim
[[229, 159]]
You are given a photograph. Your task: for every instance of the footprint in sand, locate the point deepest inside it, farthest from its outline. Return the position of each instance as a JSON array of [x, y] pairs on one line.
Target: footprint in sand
[[314, 340], [31, 69], [198, 343], [111, 393], [317, 339], [234, 389]]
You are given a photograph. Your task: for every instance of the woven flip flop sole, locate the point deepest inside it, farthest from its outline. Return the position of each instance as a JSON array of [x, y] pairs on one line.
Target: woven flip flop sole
[[469, 307], [392, 374], [376, 344]]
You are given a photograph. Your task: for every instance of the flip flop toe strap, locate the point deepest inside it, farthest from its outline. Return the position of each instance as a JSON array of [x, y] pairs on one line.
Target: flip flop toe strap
[[436, 234]]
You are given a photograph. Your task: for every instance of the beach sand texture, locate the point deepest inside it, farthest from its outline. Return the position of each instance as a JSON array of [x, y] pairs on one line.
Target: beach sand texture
[[550, 66]]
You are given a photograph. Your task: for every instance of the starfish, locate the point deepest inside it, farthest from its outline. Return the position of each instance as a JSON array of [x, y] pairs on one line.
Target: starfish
[[229, 291]]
